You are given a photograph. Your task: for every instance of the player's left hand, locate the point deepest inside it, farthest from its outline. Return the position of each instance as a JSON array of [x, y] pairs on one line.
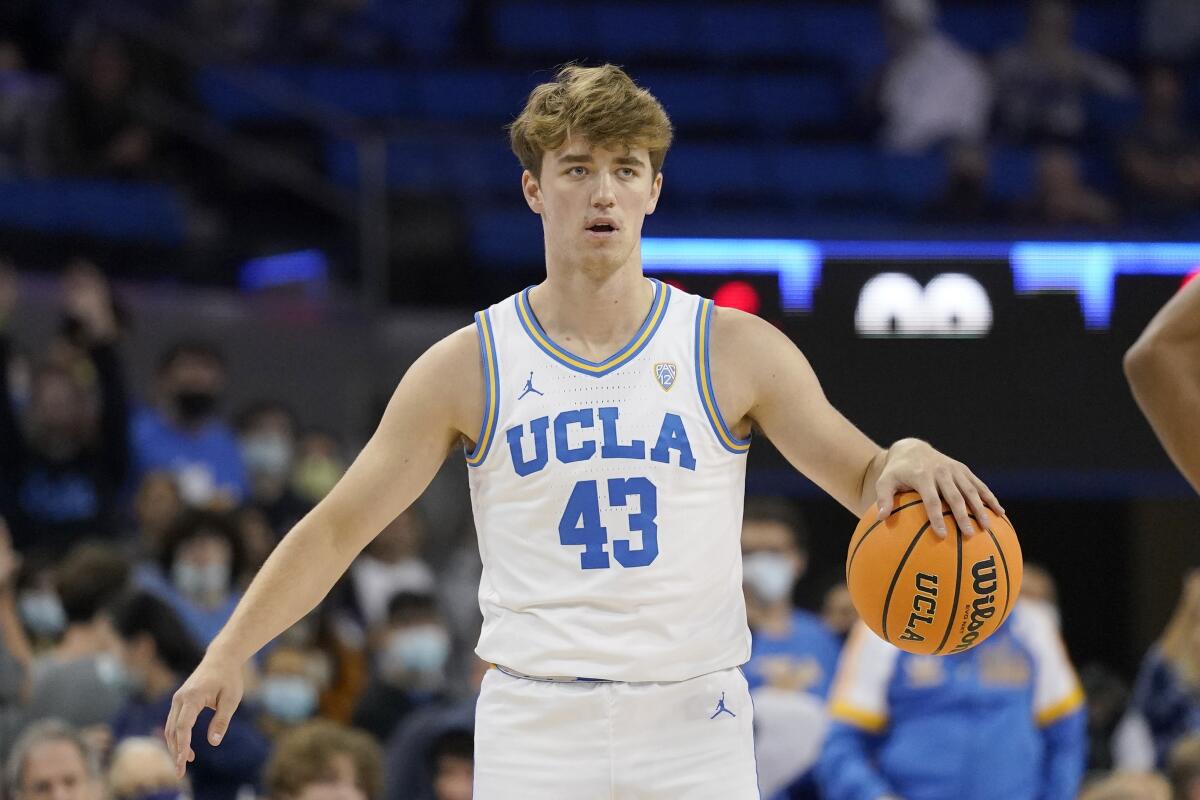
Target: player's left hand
[[914, 465]]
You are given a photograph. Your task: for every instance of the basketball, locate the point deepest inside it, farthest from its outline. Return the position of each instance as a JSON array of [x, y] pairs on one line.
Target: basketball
[[930, 595]]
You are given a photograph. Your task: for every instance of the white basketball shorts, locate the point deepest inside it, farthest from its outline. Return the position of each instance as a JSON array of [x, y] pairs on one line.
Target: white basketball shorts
[[685, 740]]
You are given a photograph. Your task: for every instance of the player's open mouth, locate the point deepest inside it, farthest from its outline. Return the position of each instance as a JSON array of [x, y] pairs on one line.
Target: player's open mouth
[[601, 229]]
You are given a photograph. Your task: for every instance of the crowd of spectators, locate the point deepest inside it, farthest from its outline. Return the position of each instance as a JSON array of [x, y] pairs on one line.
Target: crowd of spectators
[[132, 519]]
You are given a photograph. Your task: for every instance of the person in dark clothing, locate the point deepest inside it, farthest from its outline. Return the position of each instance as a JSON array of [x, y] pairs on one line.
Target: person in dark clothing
[[157, 653], [97, 125], [65, 468], [409, 669], [267, 432]]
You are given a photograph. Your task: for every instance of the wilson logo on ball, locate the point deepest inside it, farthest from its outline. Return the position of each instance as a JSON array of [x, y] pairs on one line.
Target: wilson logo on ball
[[929, 594]]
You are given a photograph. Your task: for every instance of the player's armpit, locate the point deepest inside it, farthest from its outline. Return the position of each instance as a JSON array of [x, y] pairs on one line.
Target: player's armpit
[[1163, 369], [760, 374]]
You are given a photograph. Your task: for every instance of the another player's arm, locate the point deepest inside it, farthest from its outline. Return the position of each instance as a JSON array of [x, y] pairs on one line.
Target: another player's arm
[[762, 378], [1163, 368], [439, 397]]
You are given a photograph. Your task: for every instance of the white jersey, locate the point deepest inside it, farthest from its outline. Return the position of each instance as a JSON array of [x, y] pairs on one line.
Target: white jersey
[[608, 501]]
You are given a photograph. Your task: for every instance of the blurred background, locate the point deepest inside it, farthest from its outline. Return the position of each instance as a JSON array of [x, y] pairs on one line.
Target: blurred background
[[228, 226]]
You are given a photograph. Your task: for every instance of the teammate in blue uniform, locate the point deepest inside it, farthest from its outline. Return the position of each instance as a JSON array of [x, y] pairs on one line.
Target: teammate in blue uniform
[[1001, 721]]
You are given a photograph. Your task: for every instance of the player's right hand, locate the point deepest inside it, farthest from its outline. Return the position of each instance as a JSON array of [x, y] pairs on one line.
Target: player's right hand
[[216, 684]]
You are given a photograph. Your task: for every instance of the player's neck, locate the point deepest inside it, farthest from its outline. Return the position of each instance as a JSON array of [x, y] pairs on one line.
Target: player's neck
[[592, 316]]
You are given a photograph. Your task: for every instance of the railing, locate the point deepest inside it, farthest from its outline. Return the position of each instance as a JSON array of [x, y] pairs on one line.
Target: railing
[[366, 209]]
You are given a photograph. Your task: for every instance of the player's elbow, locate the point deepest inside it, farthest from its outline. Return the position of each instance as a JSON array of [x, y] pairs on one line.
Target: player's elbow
[[1143, 361]]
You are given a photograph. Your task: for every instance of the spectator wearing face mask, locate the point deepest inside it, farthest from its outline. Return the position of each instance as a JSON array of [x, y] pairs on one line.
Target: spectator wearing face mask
[[80, 681], [793, 655], [38, 605], [185, 435], [51, 761], [413, 762], [410, 653], [195, 572], [319, 465], [322, 760], [157, 654], [290, 692], [267, 437], [64, 465]]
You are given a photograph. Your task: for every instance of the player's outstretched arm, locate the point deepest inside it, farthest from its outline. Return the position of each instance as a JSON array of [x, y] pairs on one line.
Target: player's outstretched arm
[[441, 395], [771, 383], [1163, 368]]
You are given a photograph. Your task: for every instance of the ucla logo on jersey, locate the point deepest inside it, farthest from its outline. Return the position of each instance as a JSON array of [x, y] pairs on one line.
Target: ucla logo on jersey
[[664, 373], [574, 438]]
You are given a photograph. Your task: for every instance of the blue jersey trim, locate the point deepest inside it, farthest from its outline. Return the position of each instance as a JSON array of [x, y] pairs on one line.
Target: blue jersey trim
[[708, 397], [658, 309], [491, 389]]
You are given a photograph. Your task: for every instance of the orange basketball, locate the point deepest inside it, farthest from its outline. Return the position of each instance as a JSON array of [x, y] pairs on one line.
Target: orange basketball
[[926, 594]]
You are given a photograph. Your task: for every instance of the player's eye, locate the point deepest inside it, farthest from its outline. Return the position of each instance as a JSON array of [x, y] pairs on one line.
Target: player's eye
[[577, 172], [627, 172]]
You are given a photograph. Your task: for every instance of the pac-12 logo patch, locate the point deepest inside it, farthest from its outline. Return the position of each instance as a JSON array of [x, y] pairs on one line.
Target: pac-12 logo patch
[[664, 373]]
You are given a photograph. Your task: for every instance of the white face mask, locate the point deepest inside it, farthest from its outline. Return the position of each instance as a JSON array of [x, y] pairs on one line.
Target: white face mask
[[421, 649], [769, 575], [267, 454], [42, 612], [200, 582], [289, 698]]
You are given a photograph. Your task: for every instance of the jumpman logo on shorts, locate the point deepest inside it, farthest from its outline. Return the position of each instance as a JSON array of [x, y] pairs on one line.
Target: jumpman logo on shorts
[[529, 387], [721, 708]]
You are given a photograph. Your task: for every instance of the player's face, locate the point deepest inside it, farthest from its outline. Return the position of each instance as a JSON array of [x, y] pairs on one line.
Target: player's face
[[593, 201]]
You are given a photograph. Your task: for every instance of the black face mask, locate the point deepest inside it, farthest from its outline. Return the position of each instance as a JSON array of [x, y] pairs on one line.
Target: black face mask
[[195, 406]]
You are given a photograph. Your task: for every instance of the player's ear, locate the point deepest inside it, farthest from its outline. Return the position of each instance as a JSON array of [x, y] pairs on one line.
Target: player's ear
[[655, 191], [532, 191]]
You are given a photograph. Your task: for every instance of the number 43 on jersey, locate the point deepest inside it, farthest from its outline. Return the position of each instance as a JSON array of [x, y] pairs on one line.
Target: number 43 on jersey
[[580, 523]]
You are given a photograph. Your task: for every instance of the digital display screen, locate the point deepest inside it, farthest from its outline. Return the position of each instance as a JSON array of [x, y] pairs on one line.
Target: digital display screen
[[1008, 355]]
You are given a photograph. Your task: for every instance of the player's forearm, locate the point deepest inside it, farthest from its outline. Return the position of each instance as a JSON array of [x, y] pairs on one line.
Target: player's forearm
[[298, 574], [1165, 380]]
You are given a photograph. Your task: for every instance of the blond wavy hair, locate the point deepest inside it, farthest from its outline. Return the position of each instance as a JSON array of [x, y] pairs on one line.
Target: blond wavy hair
[[601, 104]]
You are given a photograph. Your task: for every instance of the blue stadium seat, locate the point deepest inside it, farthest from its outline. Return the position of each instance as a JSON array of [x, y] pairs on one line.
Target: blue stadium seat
[[105, 209], [1110, 29], [537, 27], [1013, 173], [849, 34], [471, 95], [984, 28], [220, 90], [419, 27], [746, 30], [710, 170], [635, 30], [780, 103], [911, 180], [364, 92], [815, 173], [695, 98]]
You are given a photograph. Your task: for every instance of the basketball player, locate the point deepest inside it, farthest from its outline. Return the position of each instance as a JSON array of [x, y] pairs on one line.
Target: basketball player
[[1163, 368], [606, 419]]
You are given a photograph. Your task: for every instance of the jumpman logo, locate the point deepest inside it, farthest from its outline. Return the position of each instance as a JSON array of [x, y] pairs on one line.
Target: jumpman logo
[[529, 387], [721, 708]]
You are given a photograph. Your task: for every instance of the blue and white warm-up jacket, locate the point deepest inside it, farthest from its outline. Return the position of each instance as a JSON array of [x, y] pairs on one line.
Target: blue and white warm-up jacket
[[1002, 721]]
